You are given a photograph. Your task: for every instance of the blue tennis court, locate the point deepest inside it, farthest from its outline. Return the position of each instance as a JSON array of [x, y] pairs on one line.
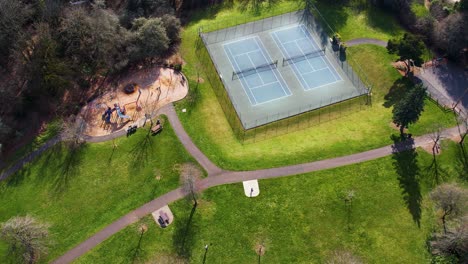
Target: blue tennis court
[[256, 71], [308, 60]]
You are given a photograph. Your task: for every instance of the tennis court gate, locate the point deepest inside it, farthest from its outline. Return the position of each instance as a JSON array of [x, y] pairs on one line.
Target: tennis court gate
[[294, 120]]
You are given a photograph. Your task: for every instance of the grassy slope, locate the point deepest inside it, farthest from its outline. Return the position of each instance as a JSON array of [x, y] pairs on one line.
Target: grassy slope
[[350, 24], [100, 186], [51, 130], [206, 123], [301, 219]]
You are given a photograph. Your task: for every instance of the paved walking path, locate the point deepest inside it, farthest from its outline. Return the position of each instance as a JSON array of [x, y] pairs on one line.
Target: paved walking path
[[360, 41], [217, 176], [446, 83], [30, 157]]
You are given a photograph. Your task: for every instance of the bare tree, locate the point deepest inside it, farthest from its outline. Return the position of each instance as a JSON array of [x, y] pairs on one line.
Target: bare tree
[[190, 173], [436, 137], [343, 257], [73, 131], [454, 242], [450, 199], [26, 237]]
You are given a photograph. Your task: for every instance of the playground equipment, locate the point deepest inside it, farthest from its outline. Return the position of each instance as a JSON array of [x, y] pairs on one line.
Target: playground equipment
[[119, 112]]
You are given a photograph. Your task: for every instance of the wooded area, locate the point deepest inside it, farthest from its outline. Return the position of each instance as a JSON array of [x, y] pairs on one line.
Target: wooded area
[[54, 53]]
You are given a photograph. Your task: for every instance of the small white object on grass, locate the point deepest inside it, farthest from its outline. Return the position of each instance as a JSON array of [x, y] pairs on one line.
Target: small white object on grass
[[251, 188], [184, 110]]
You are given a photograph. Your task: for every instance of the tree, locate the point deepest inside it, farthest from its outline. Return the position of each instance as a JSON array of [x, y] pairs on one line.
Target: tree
[[150, 38], [408, 110], [13, 16], [73, 132], [454, 242], [190, 173], [145, 8], [93, 39], [461, 5], [451, 35], [256, 5], [450, 199], [172, 25], [409, 48], [26, 237], [48, 74], [436, 137], [4, 131]]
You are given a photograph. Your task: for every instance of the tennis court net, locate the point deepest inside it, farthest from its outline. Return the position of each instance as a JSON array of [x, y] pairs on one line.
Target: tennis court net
[[253, 70], [295, 59]]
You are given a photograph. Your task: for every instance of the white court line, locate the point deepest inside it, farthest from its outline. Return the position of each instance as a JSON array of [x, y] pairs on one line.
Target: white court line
[[263, 85], [288, 55], [242, 84], [246, 86], [256, 71], [287, 42], [246, 53], [329, 64], [257, 39], [298, 73], [323, 84]]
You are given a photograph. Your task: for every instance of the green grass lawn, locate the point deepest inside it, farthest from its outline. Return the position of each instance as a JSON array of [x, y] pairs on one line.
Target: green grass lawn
[[78, 193], [206, 123], [351, 23], [302, 219], [420, 10]]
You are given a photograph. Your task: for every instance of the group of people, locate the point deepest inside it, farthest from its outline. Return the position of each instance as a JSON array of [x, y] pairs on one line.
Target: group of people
[[108, 113]]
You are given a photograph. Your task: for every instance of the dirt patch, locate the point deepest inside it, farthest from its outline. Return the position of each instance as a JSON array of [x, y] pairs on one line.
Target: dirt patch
[[142, 228], [401, 68], [197, 79], [188, 169], [260, 249], [157, 174]]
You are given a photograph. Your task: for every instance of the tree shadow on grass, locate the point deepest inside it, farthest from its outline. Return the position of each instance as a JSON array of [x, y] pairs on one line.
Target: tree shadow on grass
[[71, 161], [406, 166], [462, 160], [336, 18], [137, 251], [435, 172], [140, 153], [184, 234], [335, 14], [209, 12], [397, 91], [382, 21]]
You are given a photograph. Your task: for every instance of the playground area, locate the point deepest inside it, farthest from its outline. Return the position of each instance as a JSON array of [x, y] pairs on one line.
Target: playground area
[[134, 97]]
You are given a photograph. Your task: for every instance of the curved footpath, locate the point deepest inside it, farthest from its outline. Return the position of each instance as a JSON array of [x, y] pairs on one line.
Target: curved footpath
[[217, 176]]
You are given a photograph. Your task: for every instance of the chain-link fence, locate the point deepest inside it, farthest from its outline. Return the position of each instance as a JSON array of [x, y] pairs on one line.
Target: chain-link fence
[[302, 117]]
